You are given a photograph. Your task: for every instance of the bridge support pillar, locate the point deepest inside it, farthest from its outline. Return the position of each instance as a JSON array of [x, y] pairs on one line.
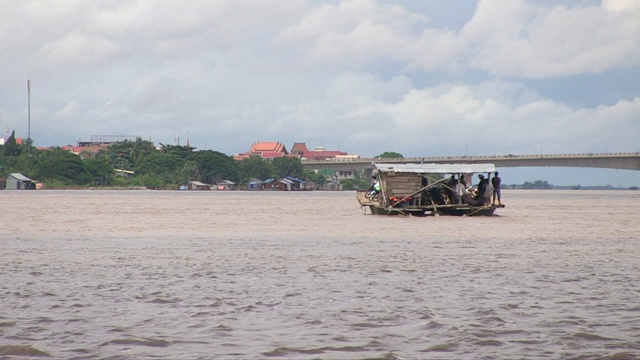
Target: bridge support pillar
[[368, 173]]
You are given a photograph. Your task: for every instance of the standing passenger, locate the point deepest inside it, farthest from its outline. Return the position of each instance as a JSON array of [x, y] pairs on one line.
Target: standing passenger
[[482, 186], [496, 188], [459, 192], [488, 191]]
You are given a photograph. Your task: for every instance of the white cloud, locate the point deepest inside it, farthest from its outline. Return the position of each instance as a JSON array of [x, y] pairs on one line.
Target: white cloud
[[496, 117], [516, 39], [375, 75], [621, 5], [68, 111], [352, 33]]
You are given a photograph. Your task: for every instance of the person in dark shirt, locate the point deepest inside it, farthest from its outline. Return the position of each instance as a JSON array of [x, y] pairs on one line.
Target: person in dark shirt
[[482, 186], [496, 188]]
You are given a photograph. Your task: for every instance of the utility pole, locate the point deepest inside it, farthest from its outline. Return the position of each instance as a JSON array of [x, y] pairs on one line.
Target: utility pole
[[29, 115]]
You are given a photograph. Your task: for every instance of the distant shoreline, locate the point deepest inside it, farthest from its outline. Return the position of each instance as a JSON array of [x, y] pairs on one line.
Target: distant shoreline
[[552, 188]]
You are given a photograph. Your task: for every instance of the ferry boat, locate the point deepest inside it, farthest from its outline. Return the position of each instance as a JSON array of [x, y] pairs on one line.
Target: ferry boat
[[429, 189]]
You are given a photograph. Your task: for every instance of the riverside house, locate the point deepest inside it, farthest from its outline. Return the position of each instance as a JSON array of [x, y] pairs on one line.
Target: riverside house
[[17, 181]]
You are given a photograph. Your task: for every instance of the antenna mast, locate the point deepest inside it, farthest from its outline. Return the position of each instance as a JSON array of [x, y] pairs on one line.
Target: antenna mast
[[28, 115]]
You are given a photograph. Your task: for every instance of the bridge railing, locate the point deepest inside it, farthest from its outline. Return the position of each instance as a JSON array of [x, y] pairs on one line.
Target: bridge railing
[[480, 157], [524, 156]]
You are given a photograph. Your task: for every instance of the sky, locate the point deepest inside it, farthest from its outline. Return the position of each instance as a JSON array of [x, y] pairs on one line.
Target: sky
[[418, 77]]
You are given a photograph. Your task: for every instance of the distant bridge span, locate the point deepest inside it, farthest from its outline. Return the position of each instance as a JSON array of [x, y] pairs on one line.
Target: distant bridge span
[[623, 161]]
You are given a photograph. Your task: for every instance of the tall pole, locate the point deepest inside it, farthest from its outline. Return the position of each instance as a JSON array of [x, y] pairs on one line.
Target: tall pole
[[28, 115]]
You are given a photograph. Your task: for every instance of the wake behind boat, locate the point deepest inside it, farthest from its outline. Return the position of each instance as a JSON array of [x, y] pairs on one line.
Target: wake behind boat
[[430, 189]]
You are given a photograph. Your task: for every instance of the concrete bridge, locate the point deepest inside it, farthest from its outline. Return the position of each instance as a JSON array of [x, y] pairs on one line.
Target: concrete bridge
[[626, 161]]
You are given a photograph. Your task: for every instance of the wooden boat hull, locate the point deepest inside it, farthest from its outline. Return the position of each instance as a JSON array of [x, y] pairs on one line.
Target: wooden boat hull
[[425, 210], [451, 211]]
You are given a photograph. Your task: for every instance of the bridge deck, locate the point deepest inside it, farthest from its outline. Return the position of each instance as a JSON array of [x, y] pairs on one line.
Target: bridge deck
[[626, 161]]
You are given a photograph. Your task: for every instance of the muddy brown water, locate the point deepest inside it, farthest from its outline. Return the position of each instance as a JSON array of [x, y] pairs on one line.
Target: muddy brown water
[[307, 275]]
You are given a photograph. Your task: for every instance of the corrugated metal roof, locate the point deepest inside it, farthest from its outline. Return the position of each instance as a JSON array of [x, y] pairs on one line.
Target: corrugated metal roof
[[436, 168], [198, 183], [296, 179], [20, 177]]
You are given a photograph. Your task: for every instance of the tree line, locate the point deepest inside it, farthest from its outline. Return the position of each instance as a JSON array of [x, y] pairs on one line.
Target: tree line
[[156, 168]]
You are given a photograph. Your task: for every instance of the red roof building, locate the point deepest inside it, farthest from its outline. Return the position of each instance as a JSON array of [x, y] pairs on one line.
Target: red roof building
[[264, 149], [301, 150], [271, 150]]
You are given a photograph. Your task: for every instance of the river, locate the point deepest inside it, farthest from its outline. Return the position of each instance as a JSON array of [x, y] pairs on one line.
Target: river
[[308, 275]]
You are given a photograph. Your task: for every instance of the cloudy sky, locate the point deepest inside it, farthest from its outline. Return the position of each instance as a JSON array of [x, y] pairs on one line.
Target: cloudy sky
[[419, 77]]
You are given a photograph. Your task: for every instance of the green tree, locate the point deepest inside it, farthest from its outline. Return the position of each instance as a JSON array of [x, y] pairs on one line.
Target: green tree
[[141, 148], [148, 181], [288, 166], [23, 163], [317, 177], [180, 151], [389, 155], [162, 165], [255, 167], [354, 184], [10, 147], [190, 171], [538, 184], [63, 166], [215, 166], [100, 172], [127, 154], [119, 155]]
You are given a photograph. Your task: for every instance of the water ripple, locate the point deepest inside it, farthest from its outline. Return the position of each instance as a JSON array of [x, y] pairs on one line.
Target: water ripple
[[154, 275], [21, 350]]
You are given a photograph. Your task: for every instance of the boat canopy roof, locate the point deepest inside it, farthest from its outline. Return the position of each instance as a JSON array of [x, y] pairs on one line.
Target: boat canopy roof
[[436, 168]]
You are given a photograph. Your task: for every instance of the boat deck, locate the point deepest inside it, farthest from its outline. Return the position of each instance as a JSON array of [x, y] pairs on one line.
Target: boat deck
[[407, 209], [361, 195]]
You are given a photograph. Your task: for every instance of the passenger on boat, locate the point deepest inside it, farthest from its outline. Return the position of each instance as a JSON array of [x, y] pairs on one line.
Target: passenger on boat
[[459, 191], [476, 197], [437, 195], [470, 198], [496, 188], [488, 192], [449, 186], [482, 186], [456, 190], [375, 187]]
